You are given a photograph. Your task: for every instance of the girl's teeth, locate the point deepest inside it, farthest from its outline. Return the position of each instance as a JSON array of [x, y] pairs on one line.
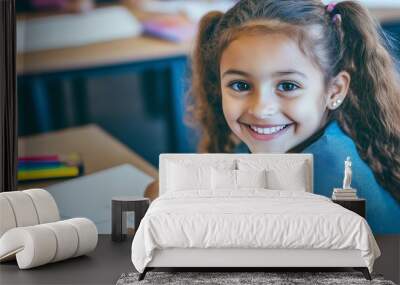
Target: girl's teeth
[[267, 131]]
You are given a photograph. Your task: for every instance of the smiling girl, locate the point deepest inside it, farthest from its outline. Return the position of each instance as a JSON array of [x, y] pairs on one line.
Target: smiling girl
[[298, 76]]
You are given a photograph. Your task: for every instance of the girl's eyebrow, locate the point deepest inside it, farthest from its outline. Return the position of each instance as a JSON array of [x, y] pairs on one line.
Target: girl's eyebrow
[[235, 72], [278, 73], [289, 72]]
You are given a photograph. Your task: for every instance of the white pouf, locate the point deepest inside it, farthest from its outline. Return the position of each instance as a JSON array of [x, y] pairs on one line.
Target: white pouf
[[31, 232]]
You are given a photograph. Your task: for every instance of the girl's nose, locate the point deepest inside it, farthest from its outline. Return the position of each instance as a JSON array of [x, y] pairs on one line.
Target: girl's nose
[[263, 110]]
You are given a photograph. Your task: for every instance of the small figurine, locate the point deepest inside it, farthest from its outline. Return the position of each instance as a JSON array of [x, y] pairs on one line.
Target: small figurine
[[347, 174]]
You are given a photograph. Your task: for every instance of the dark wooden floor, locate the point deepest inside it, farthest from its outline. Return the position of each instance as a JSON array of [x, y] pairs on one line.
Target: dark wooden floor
[[389, 262], [111, 259], [103, 266]]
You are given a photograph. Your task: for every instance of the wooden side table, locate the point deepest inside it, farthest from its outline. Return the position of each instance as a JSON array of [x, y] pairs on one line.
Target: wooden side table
[[139, 205], [357, 205]]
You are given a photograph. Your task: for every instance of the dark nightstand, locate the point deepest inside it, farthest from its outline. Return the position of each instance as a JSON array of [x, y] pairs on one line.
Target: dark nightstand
[[126, 204], [357, 206]]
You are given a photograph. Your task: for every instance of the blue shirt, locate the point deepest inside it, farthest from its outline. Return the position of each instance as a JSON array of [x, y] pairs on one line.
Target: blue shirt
[[330, 151]]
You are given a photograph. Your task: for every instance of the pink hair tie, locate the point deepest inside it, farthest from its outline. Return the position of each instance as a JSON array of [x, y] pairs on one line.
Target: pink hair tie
[[330, 7], [337, 18]]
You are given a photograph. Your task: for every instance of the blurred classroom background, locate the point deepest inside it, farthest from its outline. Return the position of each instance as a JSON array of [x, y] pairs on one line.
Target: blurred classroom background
[[95, 71]]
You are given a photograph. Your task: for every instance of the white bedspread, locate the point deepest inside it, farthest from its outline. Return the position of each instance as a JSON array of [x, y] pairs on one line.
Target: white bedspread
[[250, 219]]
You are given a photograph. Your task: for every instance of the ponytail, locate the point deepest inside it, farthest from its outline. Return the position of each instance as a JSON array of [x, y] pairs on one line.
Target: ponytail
[[206, 109], [370, 114]]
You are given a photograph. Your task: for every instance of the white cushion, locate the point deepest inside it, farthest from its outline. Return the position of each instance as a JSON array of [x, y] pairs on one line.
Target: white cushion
[[27, 208], [251, 178], [45, 205], [27, 235], [223, 179], [7, 218], [67, 237], [190, 173], [33, 245], [87, 233], [294, 181], [286, 174], [229, 180], [23, 208], [181, 177], [41, 244]]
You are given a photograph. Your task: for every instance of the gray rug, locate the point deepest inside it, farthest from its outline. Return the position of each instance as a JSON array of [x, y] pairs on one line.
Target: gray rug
[[231, 278]]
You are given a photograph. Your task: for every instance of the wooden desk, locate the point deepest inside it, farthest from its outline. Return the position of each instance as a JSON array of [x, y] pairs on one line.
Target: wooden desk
[[74, 66], [100, 54], [98, 149], [135, 49]]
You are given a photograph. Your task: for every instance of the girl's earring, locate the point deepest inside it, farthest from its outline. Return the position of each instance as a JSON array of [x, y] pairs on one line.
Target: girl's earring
[[336, 103]]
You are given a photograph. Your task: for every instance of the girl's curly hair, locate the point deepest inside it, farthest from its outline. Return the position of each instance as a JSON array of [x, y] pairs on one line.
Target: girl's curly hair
[[370, 113]]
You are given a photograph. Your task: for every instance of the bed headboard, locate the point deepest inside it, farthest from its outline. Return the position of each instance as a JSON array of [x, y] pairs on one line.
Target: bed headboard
[[215, 158]]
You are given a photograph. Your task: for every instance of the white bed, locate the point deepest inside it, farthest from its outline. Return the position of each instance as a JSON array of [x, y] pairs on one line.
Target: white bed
[[202, 220]]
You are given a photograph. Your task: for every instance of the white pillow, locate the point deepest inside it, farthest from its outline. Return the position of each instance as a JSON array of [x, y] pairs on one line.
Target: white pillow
[[295, 180], [251, 178], [182, 177], [285, 174], [223, 179], [227, 179]]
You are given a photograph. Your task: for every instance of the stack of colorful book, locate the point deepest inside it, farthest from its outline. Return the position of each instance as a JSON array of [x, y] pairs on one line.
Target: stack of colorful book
[[344, 194], [43, 167]]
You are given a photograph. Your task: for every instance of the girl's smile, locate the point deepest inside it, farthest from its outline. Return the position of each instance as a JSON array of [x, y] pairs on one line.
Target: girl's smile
[[267, 132], [273, 96]]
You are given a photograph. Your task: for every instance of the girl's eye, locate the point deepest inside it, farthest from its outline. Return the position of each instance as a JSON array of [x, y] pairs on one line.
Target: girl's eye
[[239, 86], [287, 86]]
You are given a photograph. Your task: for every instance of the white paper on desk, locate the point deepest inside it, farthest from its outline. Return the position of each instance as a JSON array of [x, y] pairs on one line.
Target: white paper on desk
[[90, 196], [62, 31]]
